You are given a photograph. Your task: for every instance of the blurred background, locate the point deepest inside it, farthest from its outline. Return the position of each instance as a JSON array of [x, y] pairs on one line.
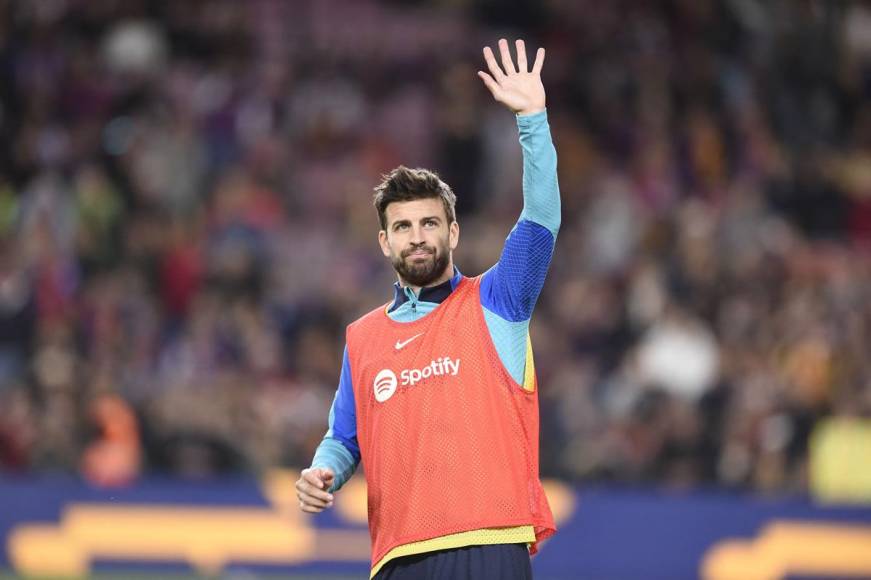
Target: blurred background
[[186, 228]]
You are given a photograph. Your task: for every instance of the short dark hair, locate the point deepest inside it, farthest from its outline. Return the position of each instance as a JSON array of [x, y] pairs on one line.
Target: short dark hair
[[404, 184]]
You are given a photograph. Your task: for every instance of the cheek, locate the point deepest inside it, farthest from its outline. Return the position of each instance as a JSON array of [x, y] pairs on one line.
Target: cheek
[[386, 246], [398, 245]]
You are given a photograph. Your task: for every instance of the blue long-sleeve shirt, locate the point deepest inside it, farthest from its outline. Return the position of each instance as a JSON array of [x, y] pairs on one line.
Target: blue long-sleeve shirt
[[509, 291]]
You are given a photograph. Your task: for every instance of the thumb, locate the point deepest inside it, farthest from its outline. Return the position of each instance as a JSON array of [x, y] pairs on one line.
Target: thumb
[[325, 476]]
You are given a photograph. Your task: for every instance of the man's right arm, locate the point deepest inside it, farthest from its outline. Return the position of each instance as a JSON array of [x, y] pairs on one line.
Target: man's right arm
[[338, 455], [339, 450]]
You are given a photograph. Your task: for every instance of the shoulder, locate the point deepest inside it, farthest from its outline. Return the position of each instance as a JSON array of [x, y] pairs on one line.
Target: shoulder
[[470, 282], [374, 316], [468, 287]]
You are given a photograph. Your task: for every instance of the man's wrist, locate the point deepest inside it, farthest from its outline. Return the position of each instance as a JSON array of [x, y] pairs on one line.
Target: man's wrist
[[531, 120], [530, 112]]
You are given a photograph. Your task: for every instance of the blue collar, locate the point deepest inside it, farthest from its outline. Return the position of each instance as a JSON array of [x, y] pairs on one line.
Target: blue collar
[[435, 294]]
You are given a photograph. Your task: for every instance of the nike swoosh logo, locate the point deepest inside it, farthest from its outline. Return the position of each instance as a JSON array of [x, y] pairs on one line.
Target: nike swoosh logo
[[400, 344]]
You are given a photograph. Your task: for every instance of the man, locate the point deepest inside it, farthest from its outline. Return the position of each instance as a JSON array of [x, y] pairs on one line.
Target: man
[[437, 394]]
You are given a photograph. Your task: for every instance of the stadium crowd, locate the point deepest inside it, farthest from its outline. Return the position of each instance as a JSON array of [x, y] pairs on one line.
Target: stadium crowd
[[186, 224]]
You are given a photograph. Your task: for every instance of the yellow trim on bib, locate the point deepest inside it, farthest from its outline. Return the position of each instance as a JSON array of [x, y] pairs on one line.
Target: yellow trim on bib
[[529, 372]]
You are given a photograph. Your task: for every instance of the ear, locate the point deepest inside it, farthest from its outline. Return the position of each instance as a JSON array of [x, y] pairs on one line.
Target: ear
[[454, 235], [384, 243]]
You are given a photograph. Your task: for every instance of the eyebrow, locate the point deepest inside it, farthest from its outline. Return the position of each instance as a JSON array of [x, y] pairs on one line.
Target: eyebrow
[[406, 222]]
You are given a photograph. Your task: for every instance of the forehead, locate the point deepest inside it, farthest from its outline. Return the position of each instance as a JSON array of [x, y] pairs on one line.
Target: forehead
[[415, 210]]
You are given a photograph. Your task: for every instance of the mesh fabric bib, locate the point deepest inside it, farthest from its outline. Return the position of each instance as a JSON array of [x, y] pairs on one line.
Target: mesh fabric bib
[[449, 441]]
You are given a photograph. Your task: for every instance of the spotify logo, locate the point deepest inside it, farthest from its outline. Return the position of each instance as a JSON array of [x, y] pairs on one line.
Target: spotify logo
[[384, 385]]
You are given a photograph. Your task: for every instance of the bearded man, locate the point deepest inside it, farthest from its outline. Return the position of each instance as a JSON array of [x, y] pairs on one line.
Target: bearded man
[[437, 395]]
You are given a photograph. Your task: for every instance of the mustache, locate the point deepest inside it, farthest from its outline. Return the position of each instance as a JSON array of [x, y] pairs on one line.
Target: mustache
[[423, 247]]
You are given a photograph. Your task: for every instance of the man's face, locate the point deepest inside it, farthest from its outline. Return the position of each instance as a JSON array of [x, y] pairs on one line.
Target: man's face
[[419, 240]]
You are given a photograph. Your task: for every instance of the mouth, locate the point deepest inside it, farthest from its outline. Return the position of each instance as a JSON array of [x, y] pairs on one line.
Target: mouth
[[418, 254]]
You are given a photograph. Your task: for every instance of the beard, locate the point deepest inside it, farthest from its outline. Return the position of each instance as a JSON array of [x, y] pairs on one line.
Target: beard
[[422, 272]]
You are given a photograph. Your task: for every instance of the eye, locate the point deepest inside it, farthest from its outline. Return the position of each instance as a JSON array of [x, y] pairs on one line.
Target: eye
[[400, 227], [430, 223]]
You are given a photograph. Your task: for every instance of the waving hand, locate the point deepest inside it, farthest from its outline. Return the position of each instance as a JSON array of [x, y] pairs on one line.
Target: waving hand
[[518, 89]]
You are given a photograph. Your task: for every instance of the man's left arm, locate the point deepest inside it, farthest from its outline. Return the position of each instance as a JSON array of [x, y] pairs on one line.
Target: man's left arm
[[512, 286], [510, 289]]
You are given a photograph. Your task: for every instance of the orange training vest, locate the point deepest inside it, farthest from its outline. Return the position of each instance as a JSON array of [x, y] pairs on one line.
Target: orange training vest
[[449, 441]]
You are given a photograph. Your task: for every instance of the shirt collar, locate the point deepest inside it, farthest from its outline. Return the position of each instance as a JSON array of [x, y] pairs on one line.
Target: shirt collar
[[435, 294]]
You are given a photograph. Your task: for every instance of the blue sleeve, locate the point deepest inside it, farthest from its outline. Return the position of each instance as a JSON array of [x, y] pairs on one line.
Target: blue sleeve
[[541, 198], [511, 287], [339, 450]]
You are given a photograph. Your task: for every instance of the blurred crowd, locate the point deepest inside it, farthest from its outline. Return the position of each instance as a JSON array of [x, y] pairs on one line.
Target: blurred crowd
[[186, 224]]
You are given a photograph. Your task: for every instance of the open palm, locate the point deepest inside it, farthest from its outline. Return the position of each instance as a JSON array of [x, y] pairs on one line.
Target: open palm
[[517, 88]]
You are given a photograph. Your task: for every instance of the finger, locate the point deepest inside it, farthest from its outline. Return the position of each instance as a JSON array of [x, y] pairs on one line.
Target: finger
[[492, 65], [305, 488], [539, 61], [506, 57], [309, 508], [311, 491], [316, 478], [489, 82], [314, 501], [521, 55]]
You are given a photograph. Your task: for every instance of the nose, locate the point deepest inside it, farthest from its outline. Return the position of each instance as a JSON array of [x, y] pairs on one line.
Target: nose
[[417, 235]]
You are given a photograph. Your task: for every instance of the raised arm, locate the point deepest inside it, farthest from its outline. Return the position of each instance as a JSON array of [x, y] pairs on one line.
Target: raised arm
[[510, 289]]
